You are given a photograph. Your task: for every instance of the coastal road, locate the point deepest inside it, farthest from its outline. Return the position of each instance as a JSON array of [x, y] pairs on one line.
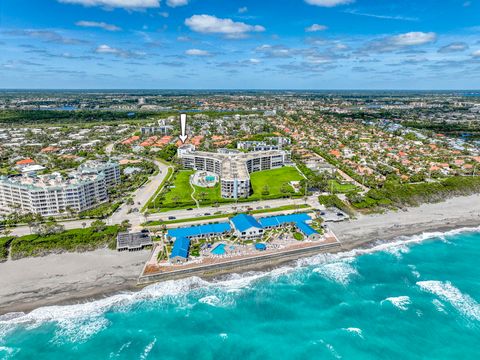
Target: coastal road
[[140, 198]]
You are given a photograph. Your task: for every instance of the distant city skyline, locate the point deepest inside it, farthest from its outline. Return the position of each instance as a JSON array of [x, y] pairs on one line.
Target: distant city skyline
[[241, 44]]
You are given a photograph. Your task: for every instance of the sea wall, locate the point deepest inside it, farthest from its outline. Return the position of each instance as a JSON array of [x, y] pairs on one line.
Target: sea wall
[[240, 265]]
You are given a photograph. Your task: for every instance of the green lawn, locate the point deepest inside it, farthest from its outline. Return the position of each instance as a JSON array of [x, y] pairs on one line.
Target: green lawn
[[343, 188], [179, 196], [180, 191], [208, 195], [275, 180]]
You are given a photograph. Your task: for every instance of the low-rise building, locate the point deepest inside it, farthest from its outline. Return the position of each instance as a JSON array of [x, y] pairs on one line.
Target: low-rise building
[[246, 227], [133, 241]]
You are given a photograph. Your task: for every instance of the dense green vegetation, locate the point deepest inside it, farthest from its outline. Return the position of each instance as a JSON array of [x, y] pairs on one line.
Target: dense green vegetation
[[4, 245], [77, 116], [444, 127], [100, 212], [71, 240], [334, 201], [399, 195], [168, 152]]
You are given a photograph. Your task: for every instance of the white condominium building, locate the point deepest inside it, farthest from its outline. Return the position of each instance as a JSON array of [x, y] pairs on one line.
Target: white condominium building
[[51, 195], [233, 169], [54, 194], [110, 169]]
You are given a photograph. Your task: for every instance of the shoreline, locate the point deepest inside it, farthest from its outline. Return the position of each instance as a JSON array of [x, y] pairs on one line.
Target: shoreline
[[73, 278]]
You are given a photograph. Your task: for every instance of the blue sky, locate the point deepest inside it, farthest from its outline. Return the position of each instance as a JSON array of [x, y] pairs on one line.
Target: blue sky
[[240, 44]]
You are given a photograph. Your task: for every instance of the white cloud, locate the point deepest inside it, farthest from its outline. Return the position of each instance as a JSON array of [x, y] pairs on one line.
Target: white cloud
[[476, 54], [126, 4], [275, 51], [329, 3], [413, 38], [401, 41], [163, 14], [453, 47], [95, 24], [207, 24], [243, 10], [197, 52], [316, 27], [108, 50], [175, 3]]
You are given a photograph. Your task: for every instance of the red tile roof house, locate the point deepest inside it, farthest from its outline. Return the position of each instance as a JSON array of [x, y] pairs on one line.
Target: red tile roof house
[[49, 149], [25, 162]]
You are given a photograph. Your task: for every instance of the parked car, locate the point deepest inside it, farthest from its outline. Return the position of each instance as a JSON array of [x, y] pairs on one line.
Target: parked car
[[171, 218]]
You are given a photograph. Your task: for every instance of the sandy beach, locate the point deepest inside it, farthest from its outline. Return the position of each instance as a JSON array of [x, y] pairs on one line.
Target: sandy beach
[[77, 277]]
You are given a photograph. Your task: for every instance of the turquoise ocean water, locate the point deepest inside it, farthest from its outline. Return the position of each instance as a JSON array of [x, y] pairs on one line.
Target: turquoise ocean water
[[394, 301]]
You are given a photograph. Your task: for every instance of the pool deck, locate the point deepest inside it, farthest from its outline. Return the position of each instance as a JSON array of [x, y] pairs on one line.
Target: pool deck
[[215, 266]]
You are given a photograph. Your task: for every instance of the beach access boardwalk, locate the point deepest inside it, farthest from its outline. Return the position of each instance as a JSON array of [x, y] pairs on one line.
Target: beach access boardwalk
[[210, 267]]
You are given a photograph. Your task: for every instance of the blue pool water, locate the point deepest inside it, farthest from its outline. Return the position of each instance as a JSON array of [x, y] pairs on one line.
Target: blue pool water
[[419, 300], [219, 250], [210, 178]]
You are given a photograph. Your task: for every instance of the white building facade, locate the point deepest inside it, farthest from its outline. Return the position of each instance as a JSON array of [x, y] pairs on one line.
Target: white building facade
[[233, 168], [54, 195]]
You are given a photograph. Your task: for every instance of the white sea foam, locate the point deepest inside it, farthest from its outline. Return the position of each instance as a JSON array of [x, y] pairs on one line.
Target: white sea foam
[[447, 292], [340, 271], [439, 305], [400, 302], [211, 300], [354, 330], [332, 350], [119, 352], [84, 317], [414, 271], [147, 349]]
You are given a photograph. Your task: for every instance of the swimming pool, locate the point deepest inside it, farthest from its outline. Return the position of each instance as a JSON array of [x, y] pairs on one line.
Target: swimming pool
[[219, 250], [210, 178]]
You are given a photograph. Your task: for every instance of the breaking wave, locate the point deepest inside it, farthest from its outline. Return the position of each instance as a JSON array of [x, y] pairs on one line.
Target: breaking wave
[[449, 293]]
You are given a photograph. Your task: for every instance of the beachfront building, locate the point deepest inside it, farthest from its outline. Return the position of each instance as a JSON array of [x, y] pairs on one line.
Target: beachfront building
[[233, 169], [246, 227], [110, 169], [133, 241], [300, 221], [54, 194], [180, 250], [182, 237]]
